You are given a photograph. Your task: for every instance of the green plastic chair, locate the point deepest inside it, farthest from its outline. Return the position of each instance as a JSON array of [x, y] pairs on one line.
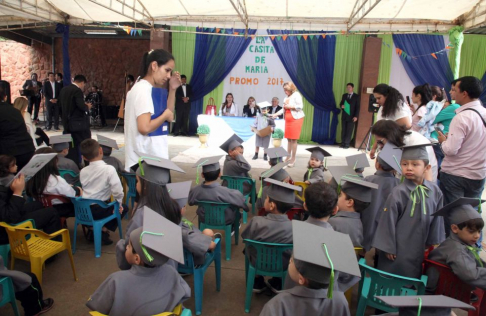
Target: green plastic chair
[[8, 294], [236, 183], [63, 173], [214, 219], [268, 263], [375, 282]]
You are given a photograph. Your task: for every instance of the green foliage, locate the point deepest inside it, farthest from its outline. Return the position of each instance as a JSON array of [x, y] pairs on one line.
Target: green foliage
[[278, 134], [203, 130]]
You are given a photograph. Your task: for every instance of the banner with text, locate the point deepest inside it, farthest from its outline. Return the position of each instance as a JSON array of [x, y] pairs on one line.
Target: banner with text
[[259, 73]]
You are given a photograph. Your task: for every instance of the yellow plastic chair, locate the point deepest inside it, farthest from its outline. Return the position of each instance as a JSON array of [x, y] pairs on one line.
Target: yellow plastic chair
[[178, 311], [304, 186], [36, 246], [349, 293]]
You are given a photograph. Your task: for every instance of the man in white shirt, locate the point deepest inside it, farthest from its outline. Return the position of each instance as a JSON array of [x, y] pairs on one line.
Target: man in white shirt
[[275, 107], [51, 94]]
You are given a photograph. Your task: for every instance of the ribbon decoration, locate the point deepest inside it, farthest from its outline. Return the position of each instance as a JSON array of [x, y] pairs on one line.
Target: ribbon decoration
[[419, 191], [309, 173], [145, 252], [197, 170], [187, 222], [398, 163], [475, 252], [331, 281]]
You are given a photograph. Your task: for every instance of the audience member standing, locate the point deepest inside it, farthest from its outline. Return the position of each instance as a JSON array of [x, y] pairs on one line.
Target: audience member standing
[[349, 115], [20, 104], [35, 95], [59, 80], [51, 93], [75, 115], [182, 108]]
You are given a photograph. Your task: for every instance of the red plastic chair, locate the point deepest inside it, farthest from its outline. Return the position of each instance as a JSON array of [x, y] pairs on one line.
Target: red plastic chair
[[296, 211], [450, 285], [46, 200]]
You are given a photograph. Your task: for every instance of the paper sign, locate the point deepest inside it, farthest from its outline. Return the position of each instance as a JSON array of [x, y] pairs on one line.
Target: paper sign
[[34, 165]]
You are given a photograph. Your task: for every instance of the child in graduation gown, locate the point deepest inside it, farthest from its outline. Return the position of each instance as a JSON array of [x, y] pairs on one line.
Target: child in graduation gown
[[406, 226], [311, 268], [262, 121], [108, 144], [234, 163], [151, 286], [61, 143], [315, 167], [459, 250]]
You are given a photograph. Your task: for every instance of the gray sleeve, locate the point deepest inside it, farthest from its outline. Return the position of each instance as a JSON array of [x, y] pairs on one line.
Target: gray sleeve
[[122, 262], [74, 167], [465, 267], [103, 298], [317, 176], [242, 163], [195, 241], [237, 199]]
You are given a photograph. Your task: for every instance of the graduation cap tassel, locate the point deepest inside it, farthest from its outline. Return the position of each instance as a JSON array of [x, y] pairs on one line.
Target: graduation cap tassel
[[140, 166], [309, 173], [398, 163], [475, 253], [264, 174], [199, 168], [145, 252], [331, 281], [420, 306], [479, 206]]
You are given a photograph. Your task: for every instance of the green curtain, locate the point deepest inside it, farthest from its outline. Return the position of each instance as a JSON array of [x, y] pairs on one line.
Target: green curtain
[[306, 131], [473, 61], [347, 67], [217, 95], [183, 48], [385, 58]]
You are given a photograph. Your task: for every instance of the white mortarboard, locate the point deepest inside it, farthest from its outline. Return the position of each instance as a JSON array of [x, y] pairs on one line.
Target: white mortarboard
[[264, 104], [424, 305], [60, 142], [460, 211], [179, 192]]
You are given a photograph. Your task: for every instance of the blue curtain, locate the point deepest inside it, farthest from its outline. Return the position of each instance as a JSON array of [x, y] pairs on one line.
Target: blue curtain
[[214, 58], [310, 65], [483, 95], [66, 66], [425, 69]]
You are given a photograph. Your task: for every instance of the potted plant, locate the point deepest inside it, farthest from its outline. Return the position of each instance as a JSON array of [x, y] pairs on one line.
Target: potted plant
[[277, 136], [203, 132]]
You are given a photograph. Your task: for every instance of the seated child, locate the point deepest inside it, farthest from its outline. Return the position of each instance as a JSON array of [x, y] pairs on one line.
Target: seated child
[[318, 255], [150, 286], [14, 208], [107, 144], [100, 181], [275, 227], [27, 290], [459, 251], [409, 208], [263, 124], [277, 173], [276, 155], [384, 176], [315, 167], [235, 164], [355, 196], [60, 144], [48, 181], [212, 191], [358, 162]]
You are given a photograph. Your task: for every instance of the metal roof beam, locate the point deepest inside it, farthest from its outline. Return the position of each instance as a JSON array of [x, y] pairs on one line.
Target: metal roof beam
[[31, 9], [360, 10], [476, 17], [241, 11], [126, 9]]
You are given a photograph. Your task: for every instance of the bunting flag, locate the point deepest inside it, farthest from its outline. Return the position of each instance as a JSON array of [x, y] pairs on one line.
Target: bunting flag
[[305, 37], [343, 32], [223, 31], [279, 37], [311, 36], [323, 35], [285, 37], [217, 30], [272, 37], [252, 36], [404, 55], [139, 32], [133, 32], [236, 33], [300, 36], [128, 29], [434, 55]]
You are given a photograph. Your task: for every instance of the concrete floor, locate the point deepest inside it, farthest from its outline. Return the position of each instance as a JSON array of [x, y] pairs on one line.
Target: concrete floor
[[70, 296]]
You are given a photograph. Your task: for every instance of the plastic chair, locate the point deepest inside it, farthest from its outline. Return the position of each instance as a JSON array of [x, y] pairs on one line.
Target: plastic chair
[[131, 181], [380, 283], [236, 183], [4, 251], [268, 263], [349, 293], [38, 248], [64, 172], [178, 311], [83, 216], [304, 186], [8, 295], [450, 285], [214, 219], [294, 211], [189, 268], [46, 200]]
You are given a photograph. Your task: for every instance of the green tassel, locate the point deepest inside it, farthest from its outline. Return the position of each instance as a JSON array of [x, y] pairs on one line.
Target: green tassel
[[420, 306], [261, 189], [309, 173], [475, 253], [198, 170], [145, 252], [479, 207], [402, 179], [187, 222], [398, 163], [331, 281], [140, 166]]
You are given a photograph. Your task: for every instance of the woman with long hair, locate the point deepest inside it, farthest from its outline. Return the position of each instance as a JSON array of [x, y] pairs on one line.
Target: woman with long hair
[[251, 109], [21, 104], [421, 96], [150, 107], [229, 107]]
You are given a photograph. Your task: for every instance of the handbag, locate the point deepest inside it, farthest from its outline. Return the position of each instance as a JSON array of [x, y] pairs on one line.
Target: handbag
[[211, 107]]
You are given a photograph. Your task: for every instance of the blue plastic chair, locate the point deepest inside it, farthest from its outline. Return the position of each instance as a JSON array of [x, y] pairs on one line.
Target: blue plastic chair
[[63, 173], [186, 312], [83, 216], [268, 262], [8, 295], [214, 219], [131, 182], [375, 282], [189, 268], [236, 183]]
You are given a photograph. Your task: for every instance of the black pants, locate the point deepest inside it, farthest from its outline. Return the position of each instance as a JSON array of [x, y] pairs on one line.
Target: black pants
[[346, 132], [64, 209], [182, 118], [34, 102], [46, 219], [23, 159], [52, 114], [103, 114], [100, 213], [74, 154], [31, 298], [43, 137]]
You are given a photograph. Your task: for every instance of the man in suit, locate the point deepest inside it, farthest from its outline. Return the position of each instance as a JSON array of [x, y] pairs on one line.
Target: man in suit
[[348, 120], [34, 96], [74, 108], [182, 108], [51, 94], [275, 107], [59, 79]]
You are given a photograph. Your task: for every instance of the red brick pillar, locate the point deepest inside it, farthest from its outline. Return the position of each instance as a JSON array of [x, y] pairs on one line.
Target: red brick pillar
[[159, 40]]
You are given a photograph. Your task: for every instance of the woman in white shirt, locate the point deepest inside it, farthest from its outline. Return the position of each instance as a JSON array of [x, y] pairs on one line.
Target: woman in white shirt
[[21, 104], [150, 107], [294, 118], [421, 95], [229, 107], [48, 181]]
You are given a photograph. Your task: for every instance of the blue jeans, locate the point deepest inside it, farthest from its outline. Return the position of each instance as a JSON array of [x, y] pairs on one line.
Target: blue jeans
[[438, 154]]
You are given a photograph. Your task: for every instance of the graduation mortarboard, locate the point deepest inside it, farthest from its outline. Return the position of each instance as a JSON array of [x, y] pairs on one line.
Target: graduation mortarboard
[[60, 142], [157, 240], [270, 173], [340, 171], [461, 210], [107, 142], [156, 169], [318, 153], [281, 191], [208, 164], [264, 105], [276, 154], [391, 156], [318, 252], [425, 305], [231, 143], [179, 192], [358, 189], [415, 152], [358, 161]]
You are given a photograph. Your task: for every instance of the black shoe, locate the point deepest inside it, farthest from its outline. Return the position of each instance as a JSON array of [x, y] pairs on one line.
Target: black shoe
[[346, 147], [341, 146], [56, 129], [259, 285], [255, 157], [47, 129], [265, 157], [274, 284], [176, 134], [47, 306], [105, 239]]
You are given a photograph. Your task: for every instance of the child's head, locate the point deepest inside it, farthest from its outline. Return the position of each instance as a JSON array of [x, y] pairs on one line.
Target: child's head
[[36, 185], [61, 143], [355, 195], [415, 162], [314, 163], [91, 150], [317, 157], [8, 165], [107, 144], [280, 196], [211, 176], [469, 231], [274, 206], [320, 200], [209, 168], [275, 155], [233, 146], [380, 164], [106, 150], [295, 266], [347, 203], [138, 250]]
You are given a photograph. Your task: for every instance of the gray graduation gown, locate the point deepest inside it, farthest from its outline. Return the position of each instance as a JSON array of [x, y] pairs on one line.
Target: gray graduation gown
[[260, 123], [407, 236], [195, 242], [115, 162], [67, 164], [386, 182], [317, 175], [301, 300], [20, 280], [453, 253], [140, 291], [238, 167], [349, 223], [215, 192]]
